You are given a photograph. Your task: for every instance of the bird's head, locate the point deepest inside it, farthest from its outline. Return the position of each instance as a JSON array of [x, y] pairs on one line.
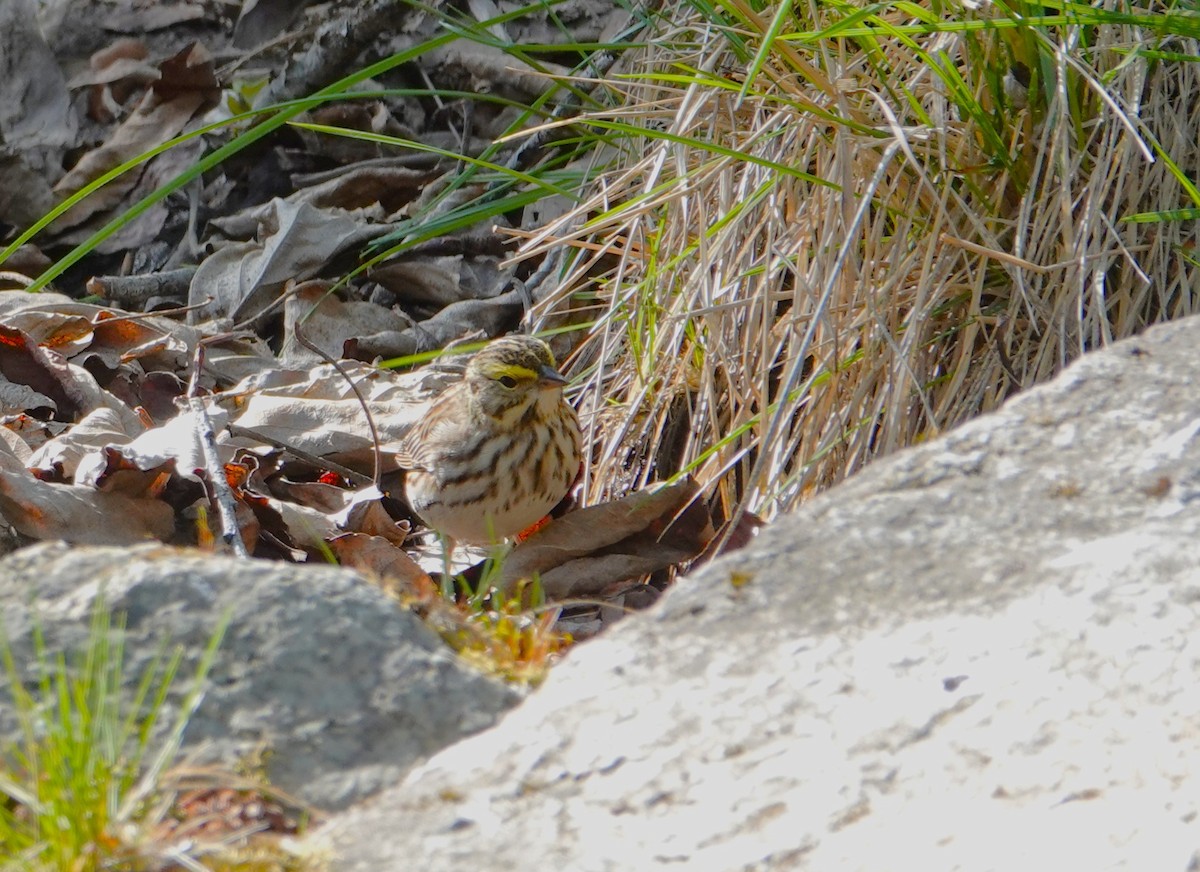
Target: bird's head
[[511, 374]]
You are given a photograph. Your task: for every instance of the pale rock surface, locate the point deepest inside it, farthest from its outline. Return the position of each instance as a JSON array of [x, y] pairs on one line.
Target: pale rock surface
[[342, 686], [981, 654]]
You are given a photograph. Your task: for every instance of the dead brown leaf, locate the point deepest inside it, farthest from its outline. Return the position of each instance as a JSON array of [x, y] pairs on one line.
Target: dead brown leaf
[[60, 332], [329, 322], [585, 551], [296, 240], [316, 412], [366, 514], [70, 391], [437, 282], [379, 557], [187, 87], [176, 445], [317, 495], [81, 515], [98, 429]]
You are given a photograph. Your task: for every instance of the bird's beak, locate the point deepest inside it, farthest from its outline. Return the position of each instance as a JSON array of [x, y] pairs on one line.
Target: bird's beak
[[550, 378]]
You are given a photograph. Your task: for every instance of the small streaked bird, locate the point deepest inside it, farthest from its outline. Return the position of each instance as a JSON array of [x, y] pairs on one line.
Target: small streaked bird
[[497, 450]]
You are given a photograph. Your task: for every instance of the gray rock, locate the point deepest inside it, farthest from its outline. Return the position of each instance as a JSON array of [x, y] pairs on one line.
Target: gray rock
[[343, 686], [979, 654]]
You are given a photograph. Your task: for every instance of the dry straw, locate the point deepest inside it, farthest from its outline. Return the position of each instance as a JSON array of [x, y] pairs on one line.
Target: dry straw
[[829, 232]]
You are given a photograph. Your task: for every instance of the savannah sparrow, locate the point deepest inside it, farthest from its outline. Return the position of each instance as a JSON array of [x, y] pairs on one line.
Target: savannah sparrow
[[498, 450]]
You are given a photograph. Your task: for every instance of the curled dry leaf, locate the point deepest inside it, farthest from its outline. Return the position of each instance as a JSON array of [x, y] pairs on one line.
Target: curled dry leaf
[[490, 317], [12, 302], [368, 192], [236, 359], [439, 281], [585, 551], [98, 429], [176, 444], [112, 472], [118, 340], [317, 413], [32, 431], [23, 362], [365, 514], [382, 559], [317, 495], [19, 396], [323, 428], [82, 331], [66, 334], [15, 445], [261, 20], [186, 88], [82, 515], [299, 526], [328, 322], [241, 279]]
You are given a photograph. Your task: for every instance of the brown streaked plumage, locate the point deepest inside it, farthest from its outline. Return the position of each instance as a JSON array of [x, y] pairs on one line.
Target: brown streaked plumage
[[498, 450]]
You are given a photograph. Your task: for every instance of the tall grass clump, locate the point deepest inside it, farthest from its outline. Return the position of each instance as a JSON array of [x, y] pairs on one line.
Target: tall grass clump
[[834, 229]]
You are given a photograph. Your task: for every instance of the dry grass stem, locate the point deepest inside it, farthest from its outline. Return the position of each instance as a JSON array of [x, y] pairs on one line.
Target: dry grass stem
[[869, 239]]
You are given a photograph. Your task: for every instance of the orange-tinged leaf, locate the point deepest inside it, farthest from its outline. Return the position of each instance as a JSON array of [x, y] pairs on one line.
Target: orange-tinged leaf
[[586, 550]]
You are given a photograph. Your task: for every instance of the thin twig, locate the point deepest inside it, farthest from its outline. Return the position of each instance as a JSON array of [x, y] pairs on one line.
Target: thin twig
[[376, 450], [319, 462], [231, 534], [157, 313], [129, 290], [21, 279]]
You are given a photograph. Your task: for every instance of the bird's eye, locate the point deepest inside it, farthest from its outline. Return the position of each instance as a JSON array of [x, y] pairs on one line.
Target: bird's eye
[[508, 381]]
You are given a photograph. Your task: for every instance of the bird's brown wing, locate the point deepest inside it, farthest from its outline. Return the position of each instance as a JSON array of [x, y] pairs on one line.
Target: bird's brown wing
[[444, 424]]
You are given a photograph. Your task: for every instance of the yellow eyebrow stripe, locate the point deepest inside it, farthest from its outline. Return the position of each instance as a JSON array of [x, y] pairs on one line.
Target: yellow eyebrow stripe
[[513, 370]]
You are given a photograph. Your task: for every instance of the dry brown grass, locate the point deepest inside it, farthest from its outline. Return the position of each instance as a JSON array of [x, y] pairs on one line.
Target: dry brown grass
[[880, 254]]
